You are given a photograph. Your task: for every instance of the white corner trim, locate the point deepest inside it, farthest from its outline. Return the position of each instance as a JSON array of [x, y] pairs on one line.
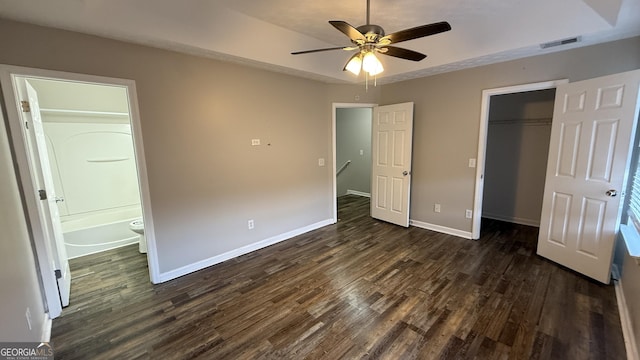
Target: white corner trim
[[358, 193], [46, 328], [441, 229], [170, 275], [625, 320]]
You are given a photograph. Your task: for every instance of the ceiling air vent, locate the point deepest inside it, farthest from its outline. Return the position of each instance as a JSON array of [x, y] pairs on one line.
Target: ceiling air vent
[[561, 42]]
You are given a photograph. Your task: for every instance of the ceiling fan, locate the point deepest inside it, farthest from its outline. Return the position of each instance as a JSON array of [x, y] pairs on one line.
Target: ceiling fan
[[370, 39]]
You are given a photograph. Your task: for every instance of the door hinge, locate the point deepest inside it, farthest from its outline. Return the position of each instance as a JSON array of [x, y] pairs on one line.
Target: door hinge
[[26, 107], [58, 274], [43, 194]]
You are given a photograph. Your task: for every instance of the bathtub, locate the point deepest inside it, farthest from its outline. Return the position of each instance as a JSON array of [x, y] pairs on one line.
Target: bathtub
[[93, 239]]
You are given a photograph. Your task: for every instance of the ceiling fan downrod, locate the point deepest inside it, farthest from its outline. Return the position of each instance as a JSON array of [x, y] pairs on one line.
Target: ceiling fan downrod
[[368, 11]]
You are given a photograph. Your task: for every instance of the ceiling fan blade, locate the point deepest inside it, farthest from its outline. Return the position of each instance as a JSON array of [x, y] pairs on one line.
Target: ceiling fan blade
[[403, 53], [319, 50], [418, 32], [348, 30]]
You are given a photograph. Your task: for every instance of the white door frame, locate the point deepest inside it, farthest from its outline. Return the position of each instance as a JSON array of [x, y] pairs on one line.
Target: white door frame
[[482, 140], [335, 107], [26, 174]]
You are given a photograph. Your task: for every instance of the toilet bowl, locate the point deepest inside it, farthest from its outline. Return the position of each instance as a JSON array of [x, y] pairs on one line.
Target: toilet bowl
[[137, 226]]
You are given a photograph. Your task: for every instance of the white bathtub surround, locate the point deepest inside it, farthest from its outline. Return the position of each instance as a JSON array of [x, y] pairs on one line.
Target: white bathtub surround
[[99, 238], [93, 165], [97, 218], [94, 171]]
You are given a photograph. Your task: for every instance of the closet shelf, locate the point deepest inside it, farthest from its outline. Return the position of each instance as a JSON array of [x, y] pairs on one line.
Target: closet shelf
[[532, 121], [68, 112]]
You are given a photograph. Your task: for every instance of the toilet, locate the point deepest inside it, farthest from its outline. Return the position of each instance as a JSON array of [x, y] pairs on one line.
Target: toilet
[[137, 226]]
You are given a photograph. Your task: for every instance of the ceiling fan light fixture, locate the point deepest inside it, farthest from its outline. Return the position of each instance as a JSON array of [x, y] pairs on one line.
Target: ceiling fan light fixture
[[369, 39], [354, 65], [371, 64]]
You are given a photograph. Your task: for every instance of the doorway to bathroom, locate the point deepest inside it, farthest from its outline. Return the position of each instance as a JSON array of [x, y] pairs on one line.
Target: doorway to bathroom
[[77, 139], [87, 132]]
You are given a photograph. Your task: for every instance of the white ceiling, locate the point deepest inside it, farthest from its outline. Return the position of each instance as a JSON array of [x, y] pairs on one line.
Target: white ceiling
[[263, 33]]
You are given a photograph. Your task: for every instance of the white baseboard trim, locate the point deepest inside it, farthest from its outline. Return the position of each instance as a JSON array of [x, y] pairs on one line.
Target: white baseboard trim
[[625, 320], [46, 328], [170, 275], [441, 229], [358, 193], [510, 219]]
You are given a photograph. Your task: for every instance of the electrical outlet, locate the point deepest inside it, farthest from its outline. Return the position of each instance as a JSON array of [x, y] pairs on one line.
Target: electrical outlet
[[250, 224], [468, 214], [436, 208], [255, 142], [321, 162], [28, 316]]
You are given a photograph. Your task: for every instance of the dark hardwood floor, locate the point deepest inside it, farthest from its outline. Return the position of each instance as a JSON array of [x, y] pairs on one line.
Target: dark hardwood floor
[[358, 289]]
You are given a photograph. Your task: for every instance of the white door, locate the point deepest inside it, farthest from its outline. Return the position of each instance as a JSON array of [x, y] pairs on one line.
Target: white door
[[48, 206], [391, 143], [591, 135]]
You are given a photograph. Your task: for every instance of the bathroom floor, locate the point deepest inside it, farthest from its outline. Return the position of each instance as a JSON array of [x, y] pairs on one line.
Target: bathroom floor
[[358, 289]]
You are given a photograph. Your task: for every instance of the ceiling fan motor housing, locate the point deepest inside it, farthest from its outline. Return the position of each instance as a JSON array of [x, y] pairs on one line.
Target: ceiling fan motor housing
[[371, 31]]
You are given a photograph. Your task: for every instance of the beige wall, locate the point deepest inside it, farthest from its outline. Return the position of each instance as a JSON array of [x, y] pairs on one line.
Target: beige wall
[[18, 278], [447, 113], [198, 119]]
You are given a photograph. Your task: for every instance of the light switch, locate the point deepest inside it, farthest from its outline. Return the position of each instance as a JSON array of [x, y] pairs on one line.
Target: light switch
[[255, 142], [472, 163], [361, 152], [321, 162]]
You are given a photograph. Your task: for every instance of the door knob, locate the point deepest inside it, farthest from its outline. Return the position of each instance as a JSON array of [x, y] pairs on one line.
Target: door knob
[[59, 199], [405, 173], [611, 193]]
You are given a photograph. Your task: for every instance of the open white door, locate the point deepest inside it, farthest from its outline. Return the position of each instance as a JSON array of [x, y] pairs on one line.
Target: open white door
[[594, 123], [392, 134], [47, 207]]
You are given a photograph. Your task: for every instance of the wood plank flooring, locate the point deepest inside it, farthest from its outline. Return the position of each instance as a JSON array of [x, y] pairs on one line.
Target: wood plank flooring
[[360, 289]]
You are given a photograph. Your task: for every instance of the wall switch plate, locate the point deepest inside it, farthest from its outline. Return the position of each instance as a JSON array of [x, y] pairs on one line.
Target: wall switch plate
[[361, 152], [472, 163], [321, 162], [250, 224], [468, 214], [255, 142], [436, 208]]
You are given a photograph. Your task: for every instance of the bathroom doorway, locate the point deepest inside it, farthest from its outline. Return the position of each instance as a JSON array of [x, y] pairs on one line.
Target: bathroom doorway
[[77, 140], [87, 129]]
